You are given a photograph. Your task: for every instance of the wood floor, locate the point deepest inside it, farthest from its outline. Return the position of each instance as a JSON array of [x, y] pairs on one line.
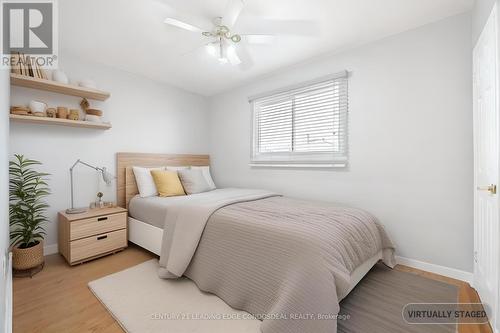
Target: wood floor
[[58, 299]]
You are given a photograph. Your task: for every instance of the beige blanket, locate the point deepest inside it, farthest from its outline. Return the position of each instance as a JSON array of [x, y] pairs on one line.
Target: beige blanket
[[286, 261]]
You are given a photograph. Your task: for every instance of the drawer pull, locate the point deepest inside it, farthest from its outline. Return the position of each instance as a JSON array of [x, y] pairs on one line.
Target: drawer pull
[[102, 218], [102, 237]]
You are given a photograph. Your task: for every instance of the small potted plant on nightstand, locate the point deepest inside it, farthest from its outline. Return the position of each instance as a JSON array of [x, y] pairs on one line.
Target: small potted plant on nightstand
[[27, 189]]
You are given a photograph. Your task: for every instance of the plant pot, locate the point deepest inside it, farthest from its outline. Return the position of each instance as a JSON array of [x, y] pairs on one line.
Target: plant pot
[[28, 258]]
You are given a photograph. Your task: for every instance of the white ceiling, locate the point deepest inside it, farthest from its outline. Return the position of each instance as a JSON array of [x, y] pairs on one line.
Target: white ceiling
[[130, 35]]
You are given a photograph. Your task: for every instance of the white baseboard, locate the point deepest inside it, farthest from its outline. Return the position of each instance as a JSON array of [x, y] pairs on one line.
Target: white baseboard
[[8, 293], [425, 266], [436, 269], [50, 249]]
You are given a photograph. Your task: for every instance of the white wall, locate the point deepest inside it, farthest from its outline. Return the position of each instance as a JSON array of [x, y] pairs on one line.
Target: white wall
[[146, 117], [410, 139], [5, 292], [480, 14]]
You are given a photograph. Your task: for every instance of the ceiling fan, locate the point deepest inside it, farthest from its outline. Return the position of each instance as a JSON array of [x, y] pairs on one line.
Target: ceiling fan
[[225, 44]]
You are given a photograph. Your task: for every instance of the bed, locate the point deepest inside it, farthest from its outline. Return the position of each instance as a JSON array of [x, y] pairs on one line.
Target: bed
[[143, 233], [149, 226]]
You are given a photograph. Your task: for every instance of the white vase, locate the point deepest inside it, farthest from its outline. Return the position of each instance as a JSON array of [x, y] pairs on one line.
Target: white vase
[[60, 76]]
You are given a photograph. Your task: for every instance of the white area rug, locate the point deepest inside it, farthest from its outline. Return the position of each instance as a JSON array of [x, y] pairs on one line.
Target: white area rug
[[143, 303]]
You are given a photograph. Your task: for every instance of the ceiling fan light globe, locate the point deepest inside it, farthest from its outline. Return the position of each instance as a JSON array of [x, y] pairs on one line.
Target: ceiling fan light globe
[[223, 29], [236, 38]]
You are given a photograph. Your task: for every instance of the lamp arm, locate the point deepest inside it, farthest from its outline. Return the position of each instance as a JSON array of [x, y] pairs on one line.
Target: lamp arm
[[71, 176], [86, 164]]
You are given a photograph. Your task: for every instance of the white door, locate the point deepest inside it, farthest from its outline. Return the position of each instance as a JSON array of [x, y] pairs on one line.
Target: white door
[[486, 168]]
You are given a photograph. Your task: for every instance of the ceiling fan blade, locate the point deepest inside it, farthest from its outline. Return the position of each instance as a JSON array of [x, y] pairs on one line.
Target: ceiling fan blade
[[182, 25], [232, 56], [259, 26], [193, 50], [233, 10], [258, 39]]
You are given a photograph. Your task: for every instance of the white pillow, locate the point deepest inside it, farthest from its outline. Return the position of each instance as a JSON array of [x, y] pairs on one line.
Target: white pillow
[[145, 182], [176, 168], [193, 181], [206, 174]]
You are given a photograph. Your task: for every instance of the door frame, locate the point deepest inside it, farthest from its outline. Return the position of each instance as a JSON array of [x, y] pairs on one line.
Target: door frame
[[494, 15]]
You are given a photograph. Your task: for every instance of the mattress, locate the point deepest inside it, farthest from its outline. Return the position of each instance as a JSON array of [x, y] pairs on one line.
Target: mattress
[[152, 210]]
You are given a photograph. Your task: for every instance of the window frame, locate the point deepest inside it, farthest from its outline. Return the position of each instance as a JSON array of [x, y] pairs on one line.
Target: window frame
[[309, 159]]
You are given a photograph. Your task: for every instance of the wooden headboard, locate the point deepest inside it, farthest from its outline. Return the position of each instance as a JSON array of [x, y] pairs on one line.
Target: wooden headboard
[[126, 187]]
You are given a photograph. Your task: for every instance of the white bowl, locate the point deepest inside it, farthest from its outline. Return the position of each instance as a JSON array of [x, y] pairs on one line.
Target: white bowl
[[92, 118], [38, 107], [87, 83], [60, 76]]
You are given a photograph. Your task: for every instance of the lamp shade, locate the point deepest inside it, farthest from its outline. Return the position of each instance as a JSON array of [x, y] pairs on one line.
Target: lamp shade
[[106, 176]]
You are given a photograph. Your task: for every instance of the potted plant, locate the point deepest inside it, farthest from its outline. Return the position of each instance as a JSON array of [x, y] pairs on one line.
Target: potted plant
[[27, 189]]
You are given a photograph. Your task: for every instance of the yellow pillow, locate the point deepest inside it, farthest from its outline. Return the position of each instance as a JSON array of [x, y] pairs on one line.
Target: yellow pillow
[[167, 183]]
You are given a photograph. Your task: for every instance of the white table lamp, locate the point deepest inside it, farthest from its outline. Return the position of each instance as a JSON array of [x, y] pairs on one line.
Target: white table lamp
[[106, 176]]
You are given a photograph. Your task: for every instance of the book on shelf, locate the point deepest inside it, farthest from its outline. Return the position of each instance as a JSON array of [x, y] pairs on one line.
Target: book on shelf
[[26, 65]]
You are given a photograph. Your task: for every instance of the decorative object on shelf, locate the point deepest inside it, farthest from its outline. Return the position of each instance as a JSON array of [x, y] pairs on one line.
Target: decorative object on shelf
[[74, 114], [23, 65], [27, 189], [93, 119], [19, 113], [60, 76], [94, 112], [51, 113], [84, 104], [38, 107], [88, 83], [17, 64], [106, 176], [92, 115], [20, 110], [62, 112]]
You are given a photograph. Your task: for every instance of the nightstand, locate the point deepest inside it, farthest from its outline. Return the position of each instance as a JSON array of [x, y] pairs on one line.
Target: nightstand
[[93, 234]]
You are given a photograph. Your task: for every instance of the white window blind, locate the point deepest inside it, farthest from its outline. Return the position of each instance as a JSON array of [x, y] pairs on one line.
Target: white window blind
[[304, 125]]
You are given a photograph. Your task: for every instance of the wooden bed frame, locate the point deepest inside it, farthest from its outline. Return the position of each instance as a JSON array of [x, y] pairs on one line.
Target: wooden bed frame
[[126, 187], [140, 233]]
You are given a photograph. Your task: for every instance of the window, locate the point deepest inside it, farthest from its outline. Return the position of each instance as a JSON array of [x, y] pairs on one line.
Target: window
[[302, 126]]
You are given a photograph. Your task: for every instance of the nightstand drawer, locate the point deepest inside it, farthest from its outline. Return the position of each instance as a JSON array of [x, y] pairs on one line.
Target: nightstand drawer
[[97, 245], [97, 225]]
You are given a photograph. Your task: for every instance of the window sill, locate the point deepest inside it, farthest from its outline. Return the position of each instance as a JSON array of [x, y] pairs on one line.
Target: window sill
[[299, 165]]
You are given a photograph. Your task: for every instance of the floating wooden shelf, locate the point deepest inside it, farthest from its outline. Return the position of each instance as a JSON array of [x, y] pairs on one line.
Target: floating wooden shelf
[[57, 121], [60, 88]]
